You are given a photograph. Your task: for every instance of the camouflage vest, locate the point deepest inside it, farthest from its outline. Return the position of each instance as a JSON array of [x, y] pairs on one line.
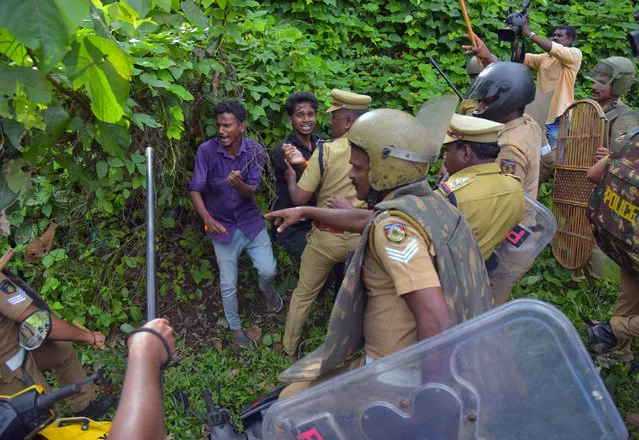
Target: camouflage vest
[[460, 266], [612, 112], [614, 206]]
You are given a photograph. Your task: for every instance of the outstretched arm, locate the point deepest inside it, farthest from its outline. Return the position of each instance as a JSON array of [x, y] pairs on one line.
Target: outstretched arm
[[351, 220], [140, 414], [480, 51], [542, 42]]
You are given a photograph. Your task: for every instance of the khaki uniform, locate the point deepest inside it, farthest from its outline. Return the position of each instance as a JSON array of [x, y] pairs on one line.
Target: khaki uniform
[[406, 266], [625, 316], [325, 246], [52, 355], [467, 106], [520, 143], [490, 201]]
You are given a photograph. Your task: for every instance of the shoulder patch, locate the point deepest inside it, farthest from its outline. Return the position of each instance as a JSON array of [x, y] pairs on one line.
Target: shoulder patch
[[395, 233], [7, 287], [508, 166], [403, 255]]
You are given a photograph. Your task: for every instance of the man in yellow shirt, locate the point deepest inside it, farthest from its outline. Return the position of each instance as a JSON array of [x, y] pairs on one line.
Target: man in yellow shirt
[[326, 174]]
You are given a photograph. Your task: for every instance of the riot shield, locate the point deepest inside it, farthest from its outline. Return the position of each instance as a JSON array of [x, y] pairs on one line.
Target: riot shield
[[518, 371], [538, 109], [582, 130], [522, 245]]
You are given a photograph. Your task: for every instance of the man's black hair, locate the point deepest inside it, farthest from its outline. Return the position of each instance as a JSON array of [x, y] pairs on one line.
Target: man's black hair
[[570, 31], [483, 150], [236, 108], [354, 113], [299, 98]]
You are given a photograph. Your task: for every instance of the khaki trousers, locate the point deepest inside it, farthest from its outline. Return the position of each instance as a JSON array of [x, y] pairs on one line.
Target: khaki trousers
[[298, 387], [594, 268], [323, 251], [60, 358], [625, 316]]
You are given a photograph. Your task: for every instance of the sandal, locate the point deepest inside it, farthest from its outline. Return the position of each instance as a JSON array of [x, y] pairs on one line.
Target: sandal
[[242, 339], [273, 299]]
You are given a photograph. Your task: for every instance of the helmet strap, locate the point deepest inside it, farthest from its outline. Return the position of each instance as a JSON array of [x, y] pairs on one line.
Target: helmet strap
[[371, 198]]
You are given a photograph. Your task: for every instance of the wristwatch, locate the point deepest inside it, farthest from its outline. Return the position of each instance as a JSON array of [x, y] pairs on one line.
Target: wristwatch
[[532, 34]]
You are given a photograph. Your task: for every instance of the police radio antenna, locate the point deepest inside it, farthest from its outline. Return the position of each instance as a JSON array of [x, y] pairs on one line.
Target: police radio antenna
[[151, 298]]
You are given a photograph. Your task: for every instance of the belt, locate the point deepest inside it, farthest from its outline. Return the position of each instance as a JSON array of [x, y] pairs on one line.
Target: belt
[[326, 228], [15, 361], [546, 149]]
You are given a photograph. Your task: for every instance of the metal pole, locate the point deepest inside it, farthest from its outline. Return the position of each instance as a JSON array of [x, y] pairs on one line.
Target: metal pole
[[151, 298], [436, 66]]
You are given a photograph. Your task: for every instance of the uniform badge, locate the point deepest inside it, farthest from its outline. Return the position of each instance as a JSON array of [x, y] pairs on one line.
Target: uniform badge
[[7, 287], [395, 233], [454, 184], [404, 255], [508, 166]]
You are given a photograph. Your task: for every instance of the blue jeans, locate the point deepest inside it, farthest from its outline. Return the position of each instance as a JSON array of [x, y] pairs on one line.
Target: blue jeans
[[552, 130], [261, 254]]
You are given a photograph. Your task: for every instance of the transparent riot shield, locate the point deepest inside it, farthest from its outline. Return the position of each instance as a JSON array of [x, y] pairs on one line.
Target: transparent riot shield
[[516, 254], [519, 371]]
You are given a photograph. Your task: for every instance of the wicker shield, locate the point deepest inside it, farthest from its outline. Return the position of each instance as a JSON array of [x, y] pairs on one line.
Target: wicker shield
[[582, 128]]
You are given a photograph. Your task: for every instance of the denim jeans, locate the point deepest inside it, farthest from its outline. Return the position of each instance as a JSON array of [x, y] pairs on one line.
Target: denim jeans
[[552, 130], [261, 254]]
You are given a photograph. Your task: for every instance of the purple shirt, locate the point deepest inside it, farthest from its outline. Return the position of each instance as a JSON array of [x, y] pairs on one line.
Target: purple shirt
[[223, 202]]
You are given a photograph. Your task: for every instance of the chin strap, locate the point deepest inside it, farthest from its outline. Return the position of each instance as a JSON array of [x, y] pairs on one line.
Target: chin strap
[[371, 198]]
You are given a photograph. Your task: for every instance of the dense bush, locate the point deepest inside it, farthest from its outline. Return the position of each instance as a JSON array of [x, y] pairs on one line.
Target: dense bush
[[86, 85]]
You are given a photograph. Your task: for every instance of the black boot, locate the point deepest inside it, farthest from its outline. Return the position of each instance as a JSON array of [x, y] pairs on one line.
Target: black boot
[[601, 338], [98, 408]]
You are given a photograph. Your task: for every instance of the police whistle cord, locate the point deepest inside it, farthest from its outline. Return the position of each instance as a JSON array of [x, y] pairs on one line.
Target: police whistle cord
[[436, 66], [151, 297]]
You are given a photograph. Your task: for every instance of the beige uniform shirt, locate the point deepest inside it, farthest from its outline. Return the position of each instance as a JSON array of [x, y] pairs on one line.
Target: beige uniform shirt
[[520, 152], [491, 202], [407, 265], [13, 302], [556, 72], [334, 180]]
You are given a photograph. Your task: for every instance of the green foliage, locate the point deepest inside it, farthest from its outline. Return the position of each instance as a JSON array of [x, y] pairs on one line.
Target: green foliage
[[85, 86]]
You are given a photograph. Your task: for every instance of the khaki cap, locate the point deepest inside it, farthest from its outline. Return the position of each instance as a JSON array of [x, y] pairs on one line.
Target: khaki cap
[[472, 129], [343, 99]]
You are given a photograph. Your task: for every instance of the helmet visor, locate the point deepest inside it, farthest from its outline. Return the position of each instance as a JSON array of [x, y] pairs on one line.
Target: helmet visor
[[435, 115], [601, 74]]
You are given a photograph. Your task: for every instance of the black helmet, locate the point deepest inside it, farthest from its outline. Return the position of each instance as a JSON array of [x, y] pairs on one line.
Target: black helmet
[[510, 83]]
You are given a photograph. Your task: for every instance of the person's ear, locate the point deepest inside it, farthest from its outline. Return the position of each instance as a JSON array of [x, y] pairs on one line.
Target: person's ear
[[242, 127], [290, 122], [349, 122], [467, 154]]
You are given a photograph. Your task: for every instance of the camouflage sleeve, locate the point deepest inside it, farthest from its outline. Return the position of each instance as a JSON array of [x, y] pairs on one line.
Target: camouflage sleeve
[[404, 254], [512, 161]]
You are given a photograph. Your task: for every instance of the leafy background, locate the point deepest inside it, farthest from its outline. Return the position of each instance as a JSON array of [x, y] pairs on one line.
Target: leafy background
[[86, 85]]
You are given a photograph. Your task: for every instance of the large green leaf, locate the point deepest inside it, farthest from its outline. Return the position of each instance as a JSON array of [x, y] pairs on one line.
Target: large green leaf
[[114, 139], [142, 7], [12, 48], [164, 5], [105, 70], [43, 25], [14, 79]]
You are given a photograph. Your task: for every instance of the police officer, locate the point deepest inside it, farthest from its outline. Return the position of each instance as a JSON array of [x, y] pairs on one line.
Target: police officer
[[492, 202], [15, 306], [613, 213], [503, 89], [414, 283], [612, 77], [327, 174], [467, 106]]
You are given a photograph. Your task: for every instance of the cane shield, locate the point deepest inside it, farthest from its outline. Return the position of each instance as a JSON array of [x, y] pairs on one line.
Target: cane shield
[[582, 130]]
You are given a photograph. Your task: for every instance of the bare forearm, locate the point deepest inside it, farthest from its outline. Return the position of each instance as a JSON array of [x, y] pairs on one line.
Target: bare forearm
[[351, 220], [198, 204], [298, 195], [430, 310], [140, 412], [62, 331], [546, 45], [247, 191]]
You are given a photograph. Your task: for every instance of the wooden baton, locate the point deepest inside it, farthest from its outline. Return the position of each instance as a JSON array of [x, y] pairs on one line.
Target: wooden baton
[[469, 28]]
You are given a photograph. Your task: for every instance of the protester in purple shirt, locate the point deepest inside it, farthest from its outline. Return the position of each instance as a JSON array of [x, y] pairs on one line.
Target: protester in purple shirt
[[227, 175]]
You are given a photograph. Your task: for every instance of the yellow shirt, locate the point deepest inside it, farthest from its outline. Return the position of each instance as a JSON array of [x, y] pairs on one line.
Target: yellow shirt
[[556, 72], [334, 181], [490, 201], [520, 152], [13, 302], [407, 265], [467, 106]]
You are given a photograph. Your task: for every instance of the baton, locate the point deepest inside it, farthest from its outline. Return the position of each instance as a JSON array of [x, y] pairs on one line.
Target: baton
[[151, 298], [436, 66], [469, 28]]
